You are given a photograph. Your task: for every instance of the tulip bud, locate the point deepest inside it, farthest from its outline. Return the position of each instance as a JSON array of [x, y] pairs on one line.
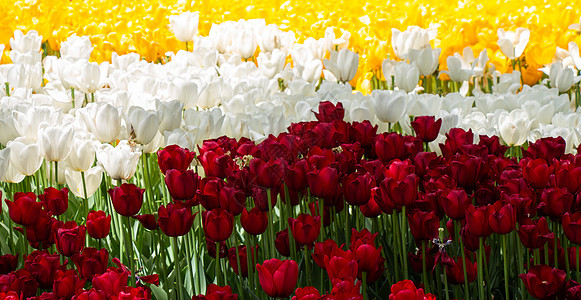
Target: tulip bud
[[406, 76], [390, 106], [55, 201], [127, 199], [343, 64], [218, 224], [513, 44], [185, 26], [426, 59], [93, 178], [98, 224], [143, 124], [25, 155], [91, 262], [69, 238], [278, 278], [175, 220], [305, 228], [24, 210], [119, 162], [76, 47]]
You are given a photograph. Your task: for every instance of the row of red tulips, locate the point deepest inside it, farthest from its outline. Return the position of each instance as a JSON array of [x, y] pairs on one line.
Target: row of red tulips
[[370, 210]]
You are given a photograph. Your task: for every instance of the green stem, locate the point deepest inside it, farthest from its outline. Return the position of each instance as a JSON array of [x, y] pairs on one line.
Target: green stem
[[506, 258], [7, 88], [307, 264], [217, 265], [56, 174], [240, 287], [424, 272], [446, 283], [403, 243], [86, 203], [480, 267], [271, 224], [178, 287], [129, 247], [364, 285], [396, 243]]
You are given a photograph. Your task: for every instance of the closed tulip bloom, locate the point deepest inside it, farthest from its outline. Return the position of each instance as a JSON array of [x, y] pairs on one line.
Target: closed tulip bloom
[[169, 114], [91, 262], [232, 200], [324, 183], [218, 224], [342, 268], [25, 155], [477, 220], [278, 278], [127, 199], [306, 293], [427, 128], [406, 76], [543, 282], [98, 224], [368, 257], [390, 106], [89, 81], [93, 178], [305, 228], [357, 188], [572, 227], [343, 64], [23, 210], [103, 120], [174, 157], [55, 201], [423, 225], [55, 142], [175, 219], [8, 173], [185, 26], [503, 218], [43, 267], [66, 284], [119, 162], [111, 282], [427, 59], [215, 292], [534, 234], [76, 47], [413, 37], [149, 221], [182, 185], [244, 43], [455, 204], [407, 290], [456, 272], [254, 221], [143, 124], [455, 70], [70, 238], [514, 127], [555, 202], [8, 263], [513, 43], [82, 155]]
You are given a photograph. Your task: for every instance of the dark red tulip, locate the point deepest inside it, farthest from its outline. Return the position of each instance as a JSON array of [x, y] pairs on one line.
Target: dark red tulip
[[306, 293], [218, 224], [254, 221], [423, 225], [536, 172], [66, 283], [43, 267], [211, 246], [215, 292], [98, 224], [24, 209], [182, 185], [345, 289], [389, 146], [572, 227], [12, 295], [112, 282], [555, 202], [41, 230], [477, 220], [466, 170], [19, 281], [324, 183], [427, 128], [278, 278], [455, 204], [457, 141], [174, 157], [210, 189], [135, 293], [281, 243], [148, 221], [502, 220], [243, 256], [70, 238], [305, 228], [175, 219], [296, 176], [534, 234], [91, 262], [327, 248], [268, 174], [343, 268], [8, 263], [357, 188], [371, 209], [456, 272], [91, 294], [361, 237], [543, 282], [127, 199], [216, 164], [55, 201], [232, 200], [394, 194], [368, 257], [328, 112], [406, 290], [546, 148]]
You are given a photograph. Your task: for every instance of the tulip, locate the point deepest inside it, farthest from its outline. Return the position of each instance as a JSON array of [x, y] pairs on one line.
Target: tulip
[[41, 231], [343, 64], [91, 262], [76, 47], [175, 220], [306, 293], [111, 282], [455, 70], [89, 79], [514, 127], [572, 227], [534, 234], [254, 221], [426, 59], [23, 43], [561, 77], [413, 37], [218, 224], [477, 220], [555, 202], [328, 112], [103, 120], [242, 256], [357, 188], [174, 157], [185, 26], [169, 114], [43, 267], [8, 263], [24, 209], [406, 76], [305, 228], [455, 272], [455, 204], [502, 220], [543, 282], [406, 289], [217, 292], [127, 199], [536, 172], [182, 185], [93, 178], [512, 44], [245, 43], [278, 278], [342, 268], [55, 142], [148, 221], [324, 183], [427, 128], [271, 63], [82, 155], [423, 225], [70, 238], [98, 224], [390, 106], [143, 124], [119, 162], [25, 156], [55, 201], [8, 173]]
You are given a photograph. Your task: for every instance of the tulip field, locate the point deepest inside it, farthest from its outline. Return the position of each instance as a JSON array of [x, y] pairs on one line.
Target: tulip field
[[294, 150]]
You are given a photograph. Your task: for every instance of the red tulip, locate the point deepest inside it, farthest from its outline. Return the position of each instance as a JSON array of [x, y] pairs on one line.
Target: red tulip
[[305, 228], [211, 246], [324, 183], [555, 202], [502, 220], [268, 174], [371, 209], [215, 292], [41, 230], [477, 220], [111, 282], [546, 148], [232, 200], [278, 278], [216, 164], [8, 263], [176, 219], [182, 185], [55, 201], [423, 225], [389, 146], [306, 293], [368, 258], [455, 204], [69, 238], [19, 281], [357, 188], [427, 128], [127, 199], [466, 170], [407, 290], [572, 227], [98, 224], [148, 221], [394, 194], [91, 294], [24, 209], [327, 248], [43, 267], [343, 268], [91, 262], [254, 221], [328, 112], [456, 272], [174, 157], [534, 234], [536, 172], [218, 224], [296, 176], [66, 283], [243, 255], [543, 282]]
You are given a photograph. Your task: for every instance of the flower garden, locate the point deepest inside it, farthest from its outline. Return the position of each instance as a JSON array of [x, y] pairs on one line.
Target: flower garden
[[300, 150]]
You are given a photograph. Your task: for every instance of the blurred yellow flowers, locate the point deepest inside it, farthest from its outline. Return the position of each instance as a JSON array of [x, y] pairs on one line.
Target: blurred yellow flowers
[[142, 26]]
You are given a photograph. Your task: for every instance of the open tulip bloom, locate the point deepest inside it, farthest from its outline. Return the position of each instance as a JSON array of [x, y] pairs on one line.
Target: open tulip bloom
[[267, 164]]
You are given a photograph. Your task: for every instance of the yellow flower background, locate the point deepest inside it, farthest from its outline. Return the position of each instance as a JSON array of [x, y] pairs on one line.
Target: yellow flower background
[[143, 25]]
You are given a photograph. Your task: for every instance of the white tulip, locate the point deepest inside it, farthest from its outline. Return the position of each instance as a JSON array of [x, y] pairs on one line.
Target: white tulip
[[156, 143], [390, 106], [271, 63], [8, 173], [76, 47], [143, 124], [343, 64], [186, 91], [82, 155], [514, 127], [25, 155], [244, 43], [8, 131], [388, 69], [426, 59], [25, 45], [28, 122], [55, 142], [89, 79], [513, 43], [455, 70], [103, 120], [119, 162], [169, 114], [413, 37], [185, 25], [406, 76], [560, 77], [93, 178], [310, 71]]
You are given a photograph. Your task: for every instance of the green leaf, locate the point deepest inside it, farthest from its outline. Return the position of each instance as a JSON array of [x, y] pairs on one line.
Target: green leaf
[[158, 292]]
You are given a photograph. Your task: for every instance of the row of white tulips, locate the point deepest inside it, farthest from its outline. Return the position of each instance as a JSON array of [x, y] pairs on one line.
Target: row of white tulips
[[72, 111]]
